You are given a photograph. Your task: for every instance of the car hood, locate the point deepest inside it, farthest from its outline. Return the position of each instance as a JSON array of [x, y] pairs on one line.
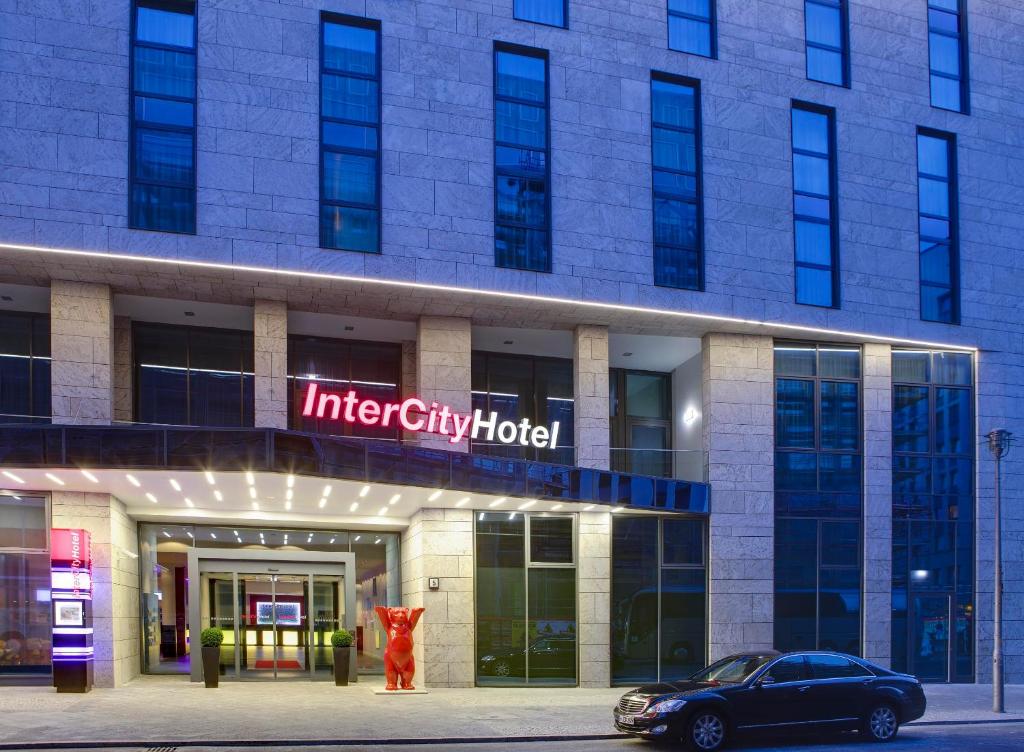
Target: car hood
[[676, 688]]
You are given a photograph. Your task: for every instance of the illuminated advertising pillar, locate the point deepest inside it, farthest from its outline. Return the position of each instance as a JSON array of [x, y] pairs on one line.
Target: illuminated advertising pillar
[[71, 596]]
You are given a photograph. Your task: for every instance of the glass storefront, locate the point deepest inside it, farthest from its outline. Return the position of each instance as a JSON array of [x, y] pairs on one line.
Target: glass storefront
[[640, 407], [525, 599], [658, 598], [24, 586], [167, 634], [24, 367]]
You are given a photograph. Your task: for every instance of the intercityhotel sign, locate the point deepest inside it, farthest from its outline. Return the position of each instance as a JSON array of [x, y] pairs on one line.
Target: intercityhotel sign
[[413, 414]]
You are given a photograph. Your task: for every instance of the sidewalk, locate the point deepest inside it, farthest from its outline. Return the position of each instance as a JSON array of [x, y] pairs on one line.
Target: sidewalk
[[158, 711]]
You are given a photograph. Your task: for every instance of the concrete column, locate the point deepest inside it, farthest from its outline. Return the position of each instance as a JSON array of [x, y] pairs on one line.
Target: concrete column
[[124, 409], [409, 387], [590, 378], [739, 437], [444, 370], [594, 577], [270, 341], [877, 608], [81, 348], [115, 599], [439, 543]]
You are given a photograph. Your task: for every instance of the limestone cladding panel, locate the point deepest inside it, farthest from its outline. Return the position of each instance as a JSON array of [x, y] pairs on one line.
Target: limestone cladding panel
[[439, 543], [115, 600], [590, 379], [444, 370], [877, 613], [270, 358], [409, 386], [594, 578], [122, 375], [81, 338], [738, 436]]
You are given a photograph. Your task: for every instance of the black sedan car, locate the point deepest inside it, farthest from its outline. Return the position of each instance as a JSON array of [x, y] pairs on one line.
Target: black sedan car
[[773, 692]]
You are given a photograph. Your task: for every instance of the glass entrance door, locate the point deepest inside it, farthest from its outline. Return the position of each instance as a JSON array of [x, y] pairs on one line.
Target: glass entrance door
[[326, 614], [274, 638], [930, 632]]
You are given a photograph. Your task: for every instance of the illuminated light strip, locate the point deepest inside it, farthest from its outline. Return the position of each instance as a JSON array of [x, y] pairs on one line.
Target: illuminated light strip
[[73, 659], [72, 631], [451, 289], [59, 650]]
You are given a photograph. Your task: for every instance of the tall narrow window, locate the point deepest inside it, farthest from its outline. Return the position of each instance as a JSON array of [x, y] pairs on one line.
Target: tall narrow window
[[24, 367], [691, 27], [522, 170], [350, 134], [675, 157], [550, 12], [936, 190], [825, 28], [947, 54], [162, 193], [816, 239]]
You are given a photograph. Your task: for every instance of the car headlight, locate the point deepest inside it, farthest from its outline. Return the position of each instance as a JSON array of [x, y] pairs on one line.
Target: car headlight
[[666, 706]]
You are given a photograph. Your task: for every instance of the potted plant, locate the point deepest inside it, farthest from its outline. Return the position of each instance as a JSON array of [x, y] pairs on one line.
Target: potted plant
[[211, 638], [341, 640]]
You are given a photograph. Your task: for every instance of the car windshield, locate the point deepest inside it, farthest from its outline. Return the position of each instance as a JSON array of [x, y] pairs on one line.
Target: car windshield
[[734, 669]]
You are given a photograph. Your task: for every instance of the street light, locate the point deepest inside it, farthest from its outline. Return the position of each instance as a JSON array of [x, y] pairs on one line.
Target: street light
[[998, 444]]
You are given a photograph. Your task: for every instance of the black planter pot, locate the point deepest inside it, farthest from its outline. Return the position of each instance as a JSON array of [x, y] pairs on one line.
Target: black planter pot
[[341, 661], [211, 666]]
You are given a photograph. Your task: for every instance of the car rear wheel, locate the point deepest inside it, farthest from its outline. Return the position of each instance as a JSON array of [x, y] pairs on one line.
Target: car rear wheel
[[501, 668], [881, 723], [706, 731]]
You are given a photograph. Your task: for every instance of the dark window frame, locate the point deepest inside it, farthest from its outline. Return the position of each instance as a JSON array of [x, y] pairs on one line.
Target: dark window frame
[[844, 31], [621, 422], [33, 320], [698, 144], [711, 20], [342, 19], [177, 6], [563, 25], [953, 194], [964, 80], [541, 54], [833, 199]]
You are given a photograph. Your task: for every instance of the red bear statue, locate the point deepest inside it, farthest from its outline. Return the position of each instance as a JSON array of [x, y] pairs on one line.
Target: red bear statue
[[398, 624]]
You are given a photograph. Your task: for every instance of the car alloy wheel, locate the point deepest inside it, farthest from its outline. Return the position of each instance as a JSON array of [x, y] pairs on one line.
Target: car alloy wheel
[[882, 723], [707, 732], [501, 668]]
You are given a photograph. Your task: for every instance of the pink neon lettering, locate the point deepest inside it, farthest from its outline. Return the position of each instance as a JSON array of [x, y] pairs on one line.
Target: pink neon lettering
[[461, 428], [332, 399], [403, 414], [307, 405]]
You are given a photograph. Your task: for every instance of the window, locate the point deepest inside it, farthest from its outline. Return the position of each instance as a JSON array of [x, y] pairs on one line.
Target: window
[[791, 669], [640, 409], [835, 667], [522, 170], [372, 369], [350, 134], [659, 598], [520, 386], [947, 54], [817, 497], [550, 12], [937, 223], [163, 117], [24, 368], [190, 376], [815, 224], [24, 585], [826, 31], [525, 606], [691, 27], [676, 163], [933, 442]]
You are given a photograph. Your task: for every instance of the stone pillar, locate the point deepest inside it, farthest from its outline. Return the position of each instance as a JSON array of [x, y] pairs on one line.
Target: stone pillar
[[124, 409], [594, 577], [408, 388], [444, 370], [115, 598], [270, 358], [590, 379], [739, 441], [81, 338], [439, 543], [877, 610]]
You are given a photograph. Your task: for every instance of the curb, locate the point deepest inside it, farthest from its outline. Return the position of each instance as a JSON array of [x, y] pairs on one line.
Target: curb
[[396, 742]]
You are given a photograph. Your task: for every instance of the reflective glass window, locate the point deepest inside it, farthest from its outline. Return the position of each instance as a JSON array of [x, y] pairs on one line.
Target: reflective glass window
[[825, 29], [640, 406], [691, 27], [815, 236], [24, 367], [947, 33], [791, 669], [939, 242], [550, 12]]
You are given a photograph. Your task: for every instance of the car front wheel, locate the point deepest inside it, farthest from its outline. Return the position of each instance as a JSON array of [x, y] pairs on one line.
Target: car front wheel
[[881, 723], [706, 731]]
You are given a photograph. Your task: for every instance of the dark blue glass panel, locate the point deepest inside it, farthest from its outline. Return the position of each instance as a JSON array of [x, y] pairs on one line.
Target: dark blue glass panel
[[810, 131], [839, 362], [839, 610], [840, 543], [946, 93], [839, 472], [911, 475], [910, 418], [162, 26], [814, 286], [521, 248], [673, 104], [491, 475], [350, 177], [931, 227], [944, 54], [221, 449], [349, 228], [823, 24], [521, 200], [348, 98], [164, 156], [156, 207], [634, 601], [350, 136], [675, 222], [933, 197], [675, 150], [164, 111], [796, 471], [936, 303], [796, 576], [392, 463], [811, 174], [795, 360], [942, 21], [810, 206], [551, 12], [520, 160], [935, 264], [133, 447], [683, 614], [675, 183], [521, 76], [683, 542], [910, 365], [840, 415], [825, 65], [813, 242], [165, 72], [520, 124], [689, 35], [952, 476], [676, 267], [933, 155], [952, 368], [351, 49], [794, 413], [701, 8]]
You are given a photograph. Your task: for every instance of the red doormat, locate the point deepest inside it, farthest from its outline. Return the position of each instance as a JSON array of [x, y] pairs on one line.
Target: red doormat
[[269, 665]]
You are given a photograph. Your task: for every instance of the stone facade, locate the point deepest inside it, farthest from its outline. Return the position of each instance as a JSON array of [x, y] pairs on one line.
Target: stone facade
[[124, 407], [270, 336], [81, 348], [594, 571], [444, 370], [590, 375], [739, 440]]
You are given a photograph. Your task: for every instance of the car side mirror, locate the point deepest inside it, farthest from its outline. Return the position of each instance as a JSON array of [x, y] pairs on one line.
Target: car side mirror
[[766, 680]]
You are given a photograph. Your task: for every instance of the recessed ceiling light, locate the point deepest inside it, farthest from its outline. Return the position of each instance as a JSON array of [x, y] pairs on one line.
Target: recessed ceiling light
[[462, 502], [327, 490], [394, 499], [188, 502], [435, 496], [377, 541], [55, 479], [286, 537], [256, 506], [354, 507], [332, 540], [90, 476], [383, 511], [322, 503], [252, 492], [13, 477], [189, 534], [363, 491], [175, 485], [250, 478], [218, 495], [133, 480], [166, 534], [151, 497], [511, 515], [556, 507], [289, 493], [290, 481], [481, 516], [357, 538], [616, 509], [209, 477], [527, 504], [588, 507], [497, 502], [287, 506], [213, 535], [235, 532]]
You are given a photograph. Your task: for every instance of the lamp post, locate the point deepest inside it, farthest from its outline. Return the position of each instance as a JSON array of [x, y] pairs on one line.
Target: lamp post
[[998, 445]]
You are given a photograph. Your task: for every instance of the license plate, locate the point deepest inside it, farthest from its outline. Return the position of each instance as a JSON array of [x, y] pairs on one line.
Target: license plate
[[626, 719]]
